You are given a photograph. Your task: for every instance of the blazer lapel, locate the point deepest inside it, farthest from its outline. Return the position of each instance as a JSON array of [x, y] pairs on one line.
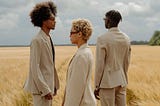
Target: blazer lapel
[[44, 36], [74, 57]]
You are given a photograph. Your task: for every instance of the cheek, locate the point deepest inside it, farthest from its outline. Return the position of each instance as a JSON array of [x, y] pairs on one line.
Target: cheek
[[72, 38]]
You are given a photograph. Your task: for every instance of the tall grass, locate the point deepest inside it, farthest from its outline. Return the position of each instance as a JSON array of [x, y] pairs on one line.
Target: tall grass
[[144, 77]]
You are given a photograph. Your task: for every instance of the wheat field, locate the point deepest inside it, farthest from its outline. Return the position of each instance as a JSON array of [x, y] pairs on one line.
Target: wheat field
[[144, 78]]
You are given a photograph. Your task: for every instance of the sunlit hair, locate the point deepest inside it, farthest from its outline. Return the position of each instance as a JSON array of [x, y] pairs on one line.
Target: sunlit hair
[[41, 12], [84, 26], [114, 17]]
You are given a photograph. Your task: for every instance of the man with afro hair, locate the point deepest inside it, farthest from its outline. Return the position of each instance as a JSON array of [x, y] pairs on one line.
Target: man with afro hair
[[42, 81]]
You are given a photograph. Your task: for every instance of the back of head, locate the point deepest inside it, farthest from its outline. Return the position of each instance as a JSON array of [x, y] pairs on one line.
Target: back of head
[[114, 17], [41, 12]]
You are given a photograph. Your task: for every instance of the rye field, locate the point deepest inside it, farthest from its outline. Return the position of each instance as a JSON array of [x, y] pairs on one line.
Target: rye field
[[144, 75]]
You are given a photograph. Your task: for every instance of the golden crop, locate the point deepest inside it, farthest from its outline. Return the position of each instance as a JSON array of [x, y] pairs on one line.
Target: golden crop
[[144, 75]]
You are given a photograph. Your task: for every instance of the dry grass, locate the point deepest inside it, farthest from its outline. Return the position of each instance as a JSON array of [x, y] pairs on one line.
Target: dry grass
[[144, 77]]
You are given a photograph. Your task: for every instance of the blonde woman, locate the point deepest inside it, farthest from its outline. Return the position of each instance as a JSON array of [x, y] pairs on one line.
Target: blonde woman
[[78, 90]]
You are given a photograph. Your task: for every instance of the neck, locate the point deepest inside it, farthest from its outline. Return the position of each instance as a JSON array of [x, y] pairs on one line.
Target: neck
[[81, 43], [46, 30]]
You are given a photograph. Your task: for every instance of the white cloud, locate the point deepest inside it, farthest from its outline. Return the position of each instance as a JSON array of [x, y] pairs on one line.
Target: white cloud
[[152, 21], [94, 3], [11, 13], [8, 21], [139, 16]]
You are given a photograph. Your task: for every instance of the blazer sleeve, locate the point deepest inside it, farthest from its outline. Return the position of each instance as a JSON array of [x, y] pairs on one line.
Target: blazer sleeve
[[77, 81], [35, 69], [127, 59], [100, 62]]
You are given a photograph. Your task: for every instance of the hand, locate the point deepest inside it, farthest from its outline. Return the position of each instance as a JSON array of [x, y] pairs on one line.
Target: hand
[[55, 92], [48, 96], [96, 94]]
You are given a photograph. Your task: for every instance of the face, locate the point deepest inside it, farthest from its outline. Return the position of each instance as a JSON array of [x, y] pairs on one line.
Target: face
[[106, 20], [50, 23], [74, 36]]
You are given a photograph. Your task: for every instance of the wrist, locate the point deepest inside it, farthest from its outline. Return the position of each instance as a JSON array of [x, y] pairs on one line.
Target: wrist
[[97, 88]]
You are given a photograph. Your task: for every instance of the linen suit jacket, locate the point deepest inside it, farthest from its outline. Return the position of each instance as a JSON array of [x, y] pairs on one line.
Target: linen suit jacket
[[78, 90], [112, 59], [42, 77]]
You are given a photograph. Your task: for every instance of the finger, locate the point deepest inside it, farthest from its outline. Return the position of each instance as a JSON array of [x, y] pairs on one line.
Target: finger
[[97, 98], [50, 97], [46, 97]]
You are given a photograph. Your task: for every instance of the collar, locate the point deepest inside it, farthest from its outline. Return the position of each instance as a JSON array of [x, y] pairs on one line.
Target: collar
[[113, 29], [44, 35], [85, 45]]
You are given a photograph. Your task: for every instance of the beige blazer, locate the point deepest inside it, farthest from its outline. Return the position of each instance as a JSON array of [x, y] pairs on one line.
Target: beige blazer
[[42, 77], [78, 88], [112, 59]]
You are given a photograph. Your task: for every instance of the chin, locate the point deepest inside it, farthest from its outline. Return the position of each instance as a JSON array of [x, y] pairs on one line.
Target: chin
[[72, 42]]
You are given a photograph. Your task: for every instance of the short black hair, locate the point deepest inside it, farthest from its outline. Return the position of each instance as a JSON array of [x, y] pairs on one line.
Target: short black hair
[[41, 12], [114, 16]]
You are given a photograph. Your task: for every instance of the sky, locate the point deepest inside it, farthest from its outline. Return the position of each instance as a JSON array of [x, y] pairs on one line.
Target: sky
[[140, 19]]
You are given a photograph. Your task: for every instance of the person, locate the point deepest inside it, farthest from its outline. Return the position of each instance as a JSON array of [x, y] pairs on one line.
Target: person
[[112, 62], [78, 91], [42, 81]]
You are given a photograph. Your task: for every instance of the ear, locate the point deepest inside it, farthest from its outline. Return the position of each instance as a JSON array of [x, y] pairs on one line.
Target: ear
[[108, 23], [80, 34]]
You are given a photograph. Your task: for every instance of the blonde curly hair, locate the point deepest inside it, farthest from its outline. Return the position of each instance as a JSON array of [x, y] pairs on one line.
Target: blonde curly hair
[[84, 26]]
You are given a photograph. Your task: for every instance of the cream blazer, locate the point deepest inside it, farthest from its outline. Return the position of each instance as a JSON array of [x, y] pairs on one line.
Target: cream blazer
[[42, 77], [78, 90], [112, 59]]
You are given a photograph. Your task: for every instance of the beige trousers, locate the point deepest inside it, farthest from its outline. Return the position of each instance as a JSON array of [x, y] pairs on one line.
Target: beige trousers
[[113, 96], [38, 100]]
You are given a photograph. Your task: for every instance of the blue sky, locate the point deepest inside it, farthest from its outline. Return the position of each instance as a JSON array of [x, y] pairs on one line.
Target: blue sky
[[140, 19]]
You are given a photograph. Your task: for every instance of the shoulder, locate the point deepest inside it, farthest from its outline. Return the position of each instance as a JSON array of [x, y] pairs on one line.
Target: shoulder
[[36, 40], [103, 36], [85, 54], [126, 36]]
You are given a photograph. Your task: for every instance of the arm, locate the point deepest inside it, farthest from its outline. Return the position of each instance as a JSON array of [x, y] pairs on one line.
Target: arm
[[100, 62], [35, 54], [127, 59]]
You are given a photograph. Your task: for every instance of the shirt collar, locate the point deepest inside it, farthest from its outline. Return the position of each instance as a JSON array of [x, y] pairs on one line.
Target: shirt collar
[[113, 29], [44, 35], [85, 45]]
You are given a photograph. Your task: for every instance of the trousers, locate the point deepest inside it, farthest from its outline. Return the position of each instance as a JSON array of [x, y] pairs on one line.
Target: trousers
[[113, 96], [39, 100]]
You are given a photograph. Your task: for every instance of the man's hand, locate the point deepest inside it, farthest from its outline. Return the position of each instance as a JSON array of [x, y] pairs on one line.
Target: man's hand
[[48, 96], [55, 92], [96, 94]]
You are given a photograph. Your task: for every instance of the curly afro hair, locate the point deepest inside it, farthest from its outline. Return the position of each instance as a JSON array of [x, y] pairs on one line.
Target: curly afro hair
[[41, 12]]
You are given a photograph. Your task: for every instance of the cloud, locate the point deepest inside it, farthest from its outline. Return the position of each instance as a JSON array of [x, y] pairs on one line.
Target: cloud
[[140, 17], [8, 21], [152, 21], [11, 13]]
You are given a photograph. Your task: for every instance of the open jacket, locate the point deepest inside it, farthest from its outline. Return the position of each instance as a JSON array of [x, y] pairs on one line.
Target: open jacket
[[78, 90], [42, 77]]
